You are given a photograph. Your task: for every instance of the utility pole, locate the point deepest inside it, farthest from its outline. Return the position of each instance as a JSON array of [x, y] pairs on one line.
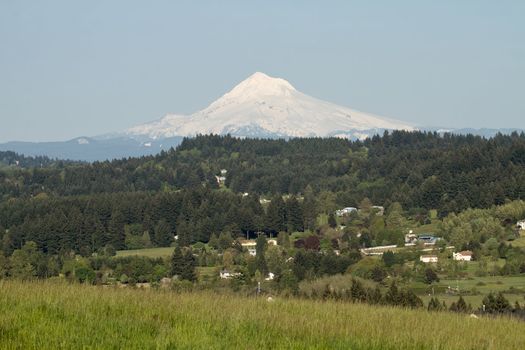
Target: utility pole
[[258, 288]]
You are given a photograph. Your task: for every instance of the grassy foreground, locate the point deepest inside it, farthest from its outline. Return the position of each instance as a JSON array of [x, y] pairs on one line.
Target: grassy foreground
[[44, 315]]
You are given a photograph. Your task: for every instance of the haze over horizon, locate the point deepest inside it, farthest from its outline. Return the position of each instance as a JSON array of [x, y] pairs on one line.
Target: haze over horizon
[[70, 69]]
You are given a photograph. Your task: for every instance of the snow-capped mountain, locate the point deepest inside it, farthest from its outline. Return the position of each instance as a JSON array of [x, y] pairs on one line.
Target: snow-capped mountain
[[262, 106]]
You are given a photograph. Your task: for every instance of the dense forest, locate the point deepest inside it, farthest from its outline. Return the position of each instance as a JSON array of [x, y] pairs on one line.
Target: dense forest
[[417, 169], [12, 159], [270, 185]]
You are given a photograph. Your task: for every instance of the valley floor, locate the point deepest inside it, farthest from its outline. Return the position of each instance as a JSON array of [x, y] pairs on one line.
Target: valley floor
[[57, 315]]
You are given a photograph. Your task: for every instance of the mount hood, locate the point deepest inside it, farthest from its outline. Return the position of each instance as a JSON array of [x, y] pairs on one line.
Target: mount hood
[[263, 106]]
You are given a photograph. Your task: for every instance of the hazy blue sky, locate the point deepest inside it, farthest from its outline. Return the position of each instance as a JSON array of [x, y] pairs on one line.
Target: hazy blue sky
[[72, 68]]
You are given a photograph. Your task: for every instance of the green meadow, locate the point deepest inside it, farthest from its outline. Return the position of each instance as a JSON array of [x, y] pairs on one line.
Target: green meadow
[[55, 315], [160, 252]]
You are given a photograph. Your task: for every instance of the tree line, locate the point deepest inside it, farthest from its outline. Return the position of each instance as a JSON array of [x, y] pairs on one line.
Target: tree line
[[416, 169]]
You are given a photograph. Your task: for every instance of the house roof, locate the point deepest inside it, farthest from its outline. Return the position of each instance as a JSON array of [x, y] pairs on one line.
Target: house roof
[[466, 253], [428, 256]]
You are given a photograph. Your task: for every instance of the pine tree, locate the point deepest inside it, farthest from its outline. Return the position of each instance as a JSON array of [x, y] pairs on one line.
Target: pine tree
[[184, 233], [310, 209], [276, 215], [163, 236], [260, 259], [331, 220], [177, 262], [294, 215], [460, 306], [188, 268], [434, 305], [117, 236]]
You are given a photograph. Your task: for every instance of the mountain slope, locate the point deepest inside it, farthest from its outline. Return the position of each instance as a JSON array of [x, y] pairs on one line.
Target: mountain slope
[[263, 106]]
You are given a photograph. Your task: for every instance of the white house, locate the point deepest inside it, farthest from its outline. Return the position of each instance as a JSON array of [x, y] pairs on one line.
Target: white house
[[410, 237], [225, 274], [272, 241], [521, 224], [264, 201], [428, 259], [345, 211], [220, 179], [250, 246], [465, 255], [270, 277]]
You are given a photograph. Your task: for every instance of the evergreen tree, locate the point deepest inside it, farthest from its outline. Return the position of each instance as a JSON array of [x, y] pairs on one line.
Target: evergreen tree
[[163, 236], [276, 215], [189, 264], [225, 240], [434, 305], [388, 258], [460, 306], [310, 209], [331, 220], [184, 233], [294, 215], [117, 236], [496, 303], [260, 258], [177, 262]]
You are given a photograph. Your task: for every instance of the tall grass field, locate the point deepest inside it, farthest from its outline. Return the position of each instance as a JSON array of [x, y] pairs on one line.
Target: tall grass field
[[51, 315]]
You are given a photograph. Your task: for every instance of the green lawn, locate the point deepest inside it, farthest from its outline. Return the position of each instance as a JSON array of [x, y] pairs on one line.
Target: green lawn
[[149, 252], [430, 228], [519, 242], [478, 286], [46, 315]]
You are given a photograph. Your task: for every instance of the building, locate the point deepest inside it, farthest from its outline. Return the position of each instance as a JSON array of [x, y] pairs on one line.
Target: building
[[428, 259], [410, 238], [250, 246], [264, 201], [521, 224], [270, 276], [428, 239], [465, 255], [226, 274], [345, 211], [221, 180]]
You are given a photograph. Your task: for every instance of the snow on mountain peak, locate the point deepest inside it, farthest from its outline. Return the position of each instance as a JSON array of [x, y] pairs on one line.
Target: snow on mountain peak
[[263, 106], [260, 84]]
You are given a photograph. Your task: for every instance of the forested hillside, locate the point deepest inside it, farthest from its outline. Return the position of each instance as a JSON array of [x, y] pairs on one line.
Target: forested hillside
[[12, 159], [423, 170], [85, 207]]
